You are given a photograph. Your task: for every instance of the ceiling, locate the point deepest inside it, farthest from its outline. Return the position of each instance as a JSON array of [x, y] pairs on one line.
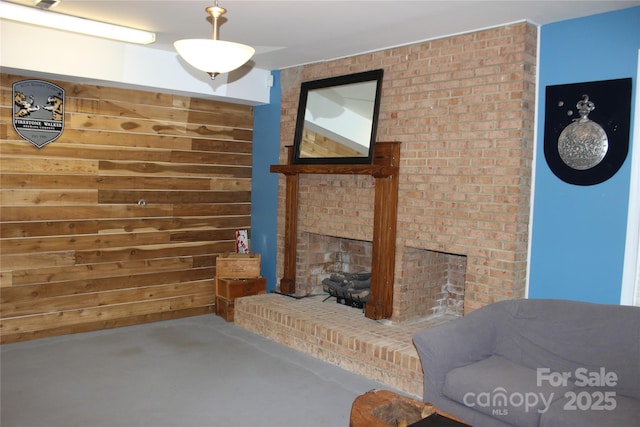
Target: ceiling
[[290, 33]]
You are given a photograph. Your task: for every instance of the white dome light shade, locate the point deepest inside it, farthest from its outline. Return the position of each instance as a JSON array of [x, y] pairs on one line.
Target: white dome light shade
[[214, 56]]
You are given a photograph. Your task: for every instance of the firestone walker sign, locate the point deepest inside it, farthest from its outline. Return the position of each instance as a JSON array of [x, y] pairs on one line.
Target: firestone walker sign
[[38, 111]]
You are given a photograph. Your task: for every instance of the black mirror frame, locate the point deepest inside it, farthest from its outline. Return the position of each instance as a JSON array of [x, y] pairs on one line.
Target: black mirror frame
[[374, 75]]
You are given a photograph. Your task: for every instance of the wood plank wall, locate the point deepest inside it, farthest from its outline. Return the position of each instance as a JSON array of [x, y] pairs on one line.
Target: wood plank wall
[[77, 252]]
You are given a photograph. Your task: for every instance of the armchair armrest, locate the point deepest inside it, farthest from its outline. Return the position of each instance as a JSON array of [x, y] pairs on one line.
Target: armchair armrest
[[457, 343]]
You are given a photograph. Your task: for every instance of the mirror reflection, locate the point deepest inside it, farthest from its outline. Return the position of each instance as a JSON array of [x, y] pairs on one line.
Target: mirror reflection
[[337, 119]]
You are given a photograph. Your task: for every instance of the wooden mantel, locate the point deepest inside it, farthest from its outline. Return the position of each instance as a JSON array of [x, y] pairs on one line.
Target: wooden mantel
[[385, 169]]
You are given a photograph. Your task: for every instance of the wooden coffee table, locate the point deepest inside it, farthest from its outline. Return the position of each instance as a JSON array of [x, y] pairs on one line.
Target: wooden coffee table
[[383, 408]]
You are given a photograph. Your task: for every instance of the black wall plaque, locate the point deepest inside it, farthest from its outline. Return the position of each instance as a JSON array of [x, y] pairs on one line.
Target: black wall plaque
[[612, 100]]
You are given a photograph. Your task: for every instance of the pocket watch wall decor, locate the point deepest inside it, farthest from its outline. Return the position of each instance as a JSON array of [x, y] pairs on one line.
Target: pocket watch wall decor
[[583, 144], [586, 135]]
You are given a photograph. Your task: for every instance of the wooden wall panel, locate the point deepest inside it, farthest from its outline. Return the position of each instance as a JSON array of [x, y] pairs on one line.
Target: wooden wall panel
[[77, 250]]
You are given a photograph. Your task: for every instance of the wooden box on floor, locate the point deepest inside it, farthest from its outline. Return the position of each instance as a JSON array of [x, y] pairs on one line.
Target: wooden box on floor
[[224, 309], [237, 275], [230, 289]]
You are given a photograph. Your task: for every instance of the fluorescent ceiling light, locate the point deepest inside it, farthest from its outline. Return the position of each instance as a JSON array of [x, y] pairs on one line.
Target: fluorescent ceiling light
[[74, 24]]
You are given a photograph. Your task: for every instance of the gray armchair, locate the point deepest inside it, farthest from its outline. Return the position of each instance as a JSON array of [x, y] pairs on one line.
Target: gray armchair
[[544, 363]]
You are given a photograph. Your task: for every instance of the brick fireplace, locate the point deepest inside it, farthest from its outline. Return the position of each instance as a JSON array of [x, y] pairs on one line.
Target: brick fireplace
[[463, 109]]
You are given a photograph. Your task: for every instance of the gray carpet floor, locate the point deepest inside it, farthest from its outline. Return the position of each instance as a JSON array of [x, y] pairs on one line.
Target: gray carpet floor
[[191, 372]]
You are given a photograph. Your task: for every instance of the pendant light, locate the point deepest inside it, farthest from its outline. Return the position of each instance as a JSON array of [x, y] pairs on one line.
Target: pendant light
[[214, 56]]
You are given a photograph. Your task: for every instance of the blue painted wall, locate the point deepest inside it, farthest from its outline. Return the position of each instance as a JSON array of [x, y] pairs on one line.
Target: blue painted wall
[[264, 184], [578, 236]]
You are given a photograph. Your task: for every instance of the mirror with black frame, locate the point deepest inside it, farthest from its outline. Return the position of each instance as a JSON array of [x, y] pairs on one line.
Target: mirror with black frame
[[337, 119]]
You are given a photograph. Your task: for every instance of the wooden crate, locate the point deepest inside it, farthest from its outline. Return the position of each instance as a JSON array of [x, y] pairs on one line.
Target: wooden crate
[[227, 290], [233, 265], [235, 288], [225, 308]]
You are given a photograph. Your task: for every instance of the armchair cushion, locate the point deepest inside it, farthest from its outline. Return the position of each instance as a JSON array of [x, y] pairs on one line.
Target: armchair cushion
[[498, 387]]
